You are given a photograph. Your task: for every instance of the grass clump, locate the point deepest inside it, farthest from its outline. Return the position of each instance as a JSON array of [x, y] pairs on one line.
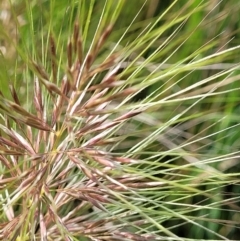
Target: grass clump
[[111, 130]]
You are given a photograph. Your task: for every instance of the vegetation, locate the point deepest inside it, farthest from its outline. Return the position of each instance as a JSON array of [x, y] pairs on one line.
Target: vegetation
[[118, 120]]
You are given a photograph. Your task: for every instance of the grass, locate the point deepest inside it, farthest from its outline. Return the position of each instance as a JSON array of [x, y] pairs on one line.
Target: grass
[[119, 121]]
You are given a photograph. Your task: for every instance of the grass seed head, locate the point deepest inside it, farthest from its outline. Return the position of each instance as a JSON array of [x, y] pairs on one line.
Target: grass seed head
[[83, 157], [56, 147]]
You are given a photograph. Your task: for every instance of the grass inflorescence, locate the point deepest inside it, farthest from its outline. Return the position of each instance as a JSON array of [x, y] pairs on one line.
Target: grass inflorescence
[[109, 131]]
